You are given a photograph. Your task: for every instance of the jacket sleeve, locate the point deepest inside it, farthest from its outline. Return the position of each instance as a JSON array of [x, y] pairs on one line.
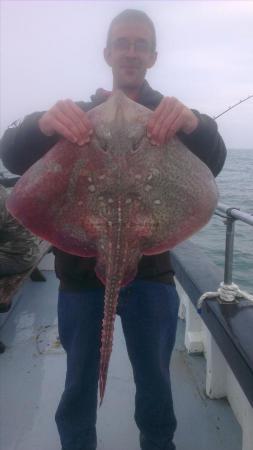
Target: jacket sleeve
[[206, 143], [22, 145]]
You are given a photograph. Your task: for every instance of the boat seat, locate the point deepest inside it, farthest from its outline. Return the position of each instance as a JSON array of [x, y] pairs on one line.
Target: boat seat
[[10, 284]]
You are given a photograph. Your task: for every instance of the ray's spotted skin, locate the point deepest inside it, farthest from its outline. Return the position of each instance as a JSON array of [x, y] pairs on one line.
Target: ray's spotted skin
[[117, 198]]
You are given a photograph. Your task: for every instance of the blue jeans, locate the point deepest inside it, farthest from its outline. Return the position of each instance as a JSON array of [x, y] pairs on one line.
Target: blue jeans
[[148, 312]]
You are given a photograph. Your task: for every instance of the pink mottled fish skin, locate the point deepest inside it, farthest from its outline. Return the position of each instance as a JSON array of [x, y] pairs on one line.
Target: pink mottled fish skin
[[115, 199]]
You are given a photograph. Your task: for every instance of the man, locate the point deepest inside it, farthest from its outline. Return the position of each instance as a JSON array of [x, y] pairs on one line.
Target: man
[[149, 305]]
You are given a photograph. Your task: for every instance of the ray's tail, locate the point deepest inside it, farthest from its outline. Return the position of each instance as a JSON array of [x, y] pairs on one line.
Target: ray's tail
[[114, 275], [111, 300]]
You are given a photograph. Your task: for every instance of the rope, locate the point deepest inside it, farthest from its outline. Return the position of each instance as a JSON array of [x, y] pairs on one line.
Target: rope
[[227, 292]]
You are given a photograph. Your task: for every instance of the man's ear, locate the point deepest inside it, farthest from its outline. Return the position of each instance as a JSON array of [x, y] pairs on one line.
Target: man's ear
[[107, 56], [152, 60]]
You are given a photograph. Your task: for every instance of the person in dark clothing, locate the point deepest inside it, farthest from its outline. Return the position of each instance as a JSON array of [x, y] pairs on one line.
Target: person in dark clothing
[[148, 306], [18, 247]]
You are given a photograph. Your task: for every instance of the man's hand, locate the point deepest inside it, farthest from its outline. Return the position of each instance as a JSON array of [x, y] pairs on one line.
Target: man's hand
[[170, 117], [68, 120]]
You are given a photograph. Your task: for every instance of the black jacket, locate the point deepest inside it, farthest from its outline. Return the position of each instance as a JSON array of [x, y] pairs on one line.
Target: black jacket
[[24, 144]]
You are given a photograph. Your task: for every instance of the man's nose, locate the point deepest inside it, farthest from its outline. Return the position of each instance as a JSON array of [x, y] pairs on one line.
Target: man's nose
[[131, 50]]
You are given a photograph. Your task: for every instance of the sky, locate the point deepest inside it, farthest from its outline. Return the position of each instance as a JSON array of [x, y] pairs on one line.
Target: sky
[[52, 50]]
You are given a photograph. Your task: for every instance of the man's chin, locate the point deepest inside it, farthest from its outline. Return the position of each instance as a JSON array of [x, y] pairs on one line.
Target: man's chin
[[129, 83]]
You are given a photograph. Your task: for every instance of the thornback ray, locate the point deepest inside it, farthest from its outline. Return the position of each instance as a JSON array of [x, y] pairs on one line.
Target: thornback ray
[[116, 198]]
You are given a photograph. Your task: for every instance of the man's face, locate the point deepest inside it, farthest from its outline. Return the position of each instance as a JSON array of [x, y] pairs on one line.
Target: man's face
[[130, 53]]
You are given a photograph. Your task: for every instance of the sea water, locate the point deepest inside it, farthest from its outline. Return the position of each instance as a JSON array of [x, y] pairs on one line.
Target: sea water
[[235, 183]]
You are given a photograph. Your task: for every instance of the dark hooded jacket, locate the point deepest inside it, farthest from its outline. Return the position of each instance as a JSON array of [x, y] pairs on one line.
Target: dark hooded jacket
[[23, 144]]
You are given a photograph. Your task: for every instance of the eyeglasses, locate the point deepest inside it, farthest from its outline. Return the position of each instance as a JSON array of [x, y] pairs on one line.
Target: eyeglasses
[[123, 45]]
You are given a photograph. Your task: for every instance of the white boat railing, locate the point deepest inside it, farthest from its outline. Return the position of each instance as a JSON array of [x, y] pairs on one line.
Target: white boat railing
[[195, 275], [231, 215]]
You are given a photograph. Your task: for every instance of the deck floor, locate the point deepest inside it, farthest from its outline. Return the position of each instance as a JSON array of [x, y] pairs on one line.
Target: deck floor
[[32, 372]]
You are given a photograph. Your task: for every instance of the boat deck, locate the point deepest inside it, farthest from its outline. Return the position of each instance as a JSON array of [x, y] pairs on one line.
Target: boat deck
[[32, 372]]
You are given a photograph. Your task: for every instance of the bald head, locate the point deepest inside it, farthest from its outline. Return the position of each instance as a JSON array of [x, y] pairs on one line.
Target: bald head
[[130, 16]]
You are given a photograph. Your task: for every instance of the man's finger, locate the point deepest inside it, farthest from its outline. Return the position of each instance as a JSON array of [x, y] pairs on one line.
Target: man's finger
[[165, 114], [65, 132], [175, 127], [155, 115], [80, 114], [168, 124], [68, 123], [167, 104], [73, 120], [164, 122]]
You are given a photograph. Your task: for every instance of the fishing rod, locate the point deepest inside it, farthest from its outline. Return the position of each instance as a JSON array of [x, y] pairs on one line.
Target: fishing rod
[[233, 106]]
